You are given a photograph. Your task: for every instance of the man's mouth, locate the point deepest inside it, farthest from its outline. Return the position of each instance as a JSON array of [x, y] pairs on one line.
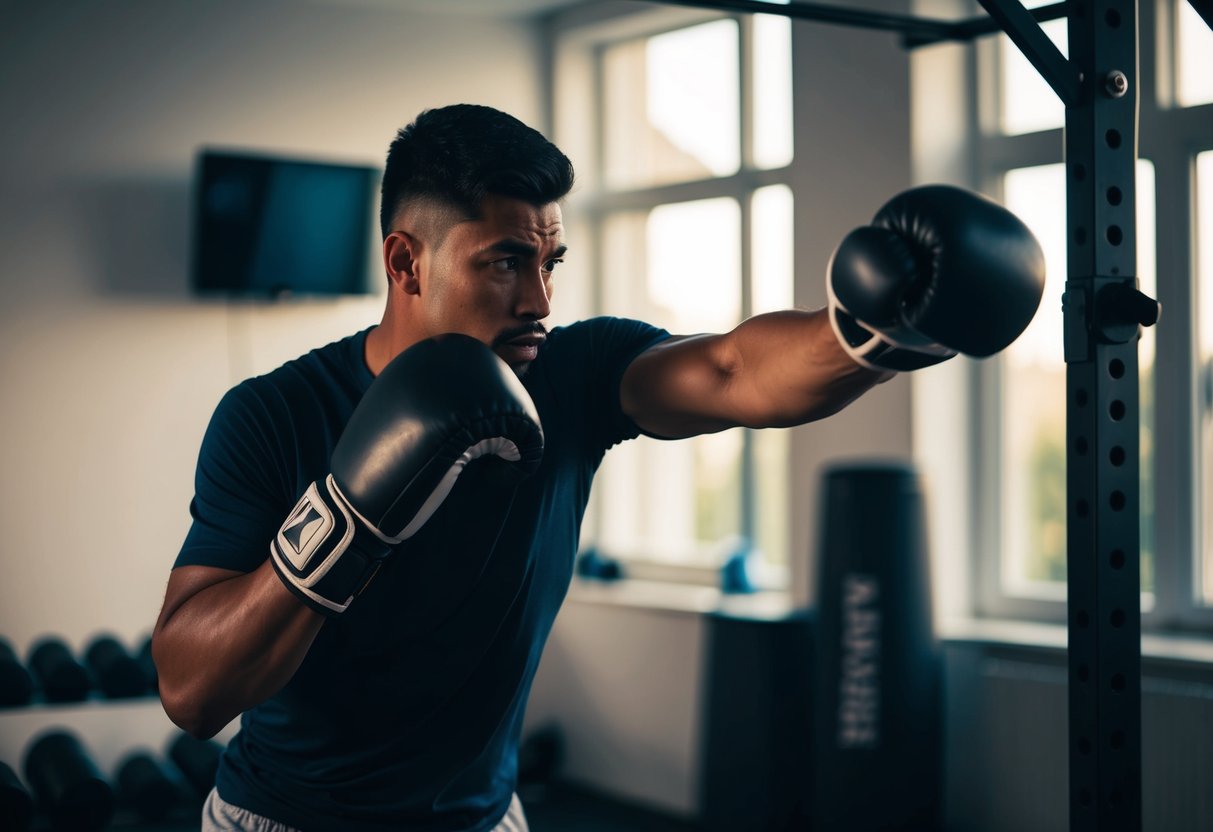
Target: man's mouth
[[521, 348]]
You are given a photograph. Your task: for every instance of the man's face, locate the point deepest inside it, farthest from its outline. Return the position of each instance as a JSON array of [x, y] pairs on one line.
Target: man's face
[[491, 277]]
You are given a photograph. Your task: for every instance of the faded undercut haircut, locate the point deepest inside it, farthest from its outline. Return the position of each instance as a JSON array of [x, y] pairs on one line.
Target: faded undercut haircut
[[457, 155]]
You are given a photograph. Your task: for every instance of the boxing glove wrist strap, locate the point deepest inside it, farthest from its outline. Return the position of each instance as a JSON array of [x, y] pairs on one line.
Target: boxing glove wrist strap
[[323, 554], [870, 349]]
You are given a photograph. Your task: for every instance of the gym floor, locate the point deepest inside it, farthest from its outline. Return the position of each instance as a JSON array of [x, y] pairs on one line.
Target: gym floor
[[568, 809], [548, 808]]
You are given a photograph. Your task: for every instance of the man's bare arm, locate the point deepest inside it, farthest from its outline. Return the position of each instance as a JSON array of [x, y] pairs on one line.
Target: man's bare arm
[[226, 641], [774, 370]]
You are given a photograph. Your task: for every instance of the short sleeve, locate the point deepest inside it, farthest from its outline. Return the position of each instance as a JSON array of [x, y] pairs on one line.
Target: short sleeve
[[602, 350], [241, 493]]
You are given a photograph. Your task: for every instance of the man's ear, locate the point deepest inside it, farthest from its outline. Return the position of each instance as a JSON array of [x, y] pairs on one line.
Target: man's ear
[[401, 255]]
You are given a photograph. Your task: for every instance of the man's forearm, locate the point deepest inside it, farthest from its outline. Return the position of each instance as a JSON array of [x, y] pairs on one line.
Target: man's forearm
[[791, 369], [230, 645]]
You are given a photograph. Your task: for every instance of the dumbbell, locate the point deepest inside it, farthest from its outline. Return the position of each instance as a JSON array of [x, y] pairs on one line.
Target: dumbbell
[[198, 761], [146, 786], [63, 679], [116, 671], [67, 784], [16, 685], [16, 805]]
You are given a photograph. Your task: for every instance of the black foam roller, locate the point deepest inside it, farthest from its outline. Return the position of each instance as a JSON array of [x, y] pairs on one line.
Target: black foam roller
[[148, 664], [63, 679], [16, 804], [16, 684], [116, 671], [877, 717], [145, 786], [197, 759], [69, 788]]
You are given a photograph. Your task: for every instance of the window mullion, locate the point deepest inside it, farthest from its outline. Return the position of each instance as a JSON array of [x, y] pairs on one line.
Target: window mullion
[[1175, 449]]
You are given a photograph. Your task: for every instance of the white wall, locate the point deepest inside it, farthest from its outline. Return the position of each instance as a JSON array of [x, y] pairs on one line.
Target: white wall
[[109, 370]]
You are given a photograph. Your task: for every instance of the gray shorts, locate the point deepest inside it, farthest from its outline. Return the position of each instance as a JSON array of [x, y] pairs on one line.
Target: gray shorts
[[220, 816]]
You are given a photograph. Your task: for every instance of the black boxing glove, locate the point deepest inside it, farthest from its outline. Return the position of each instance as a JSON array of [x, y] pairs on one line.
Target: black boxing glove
[[939, 271], [436, 407]]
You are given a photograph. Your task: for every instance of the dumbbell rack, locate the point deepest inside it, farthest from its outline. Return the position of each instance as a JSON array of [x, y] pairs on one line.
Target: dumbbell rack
[[110, 728]]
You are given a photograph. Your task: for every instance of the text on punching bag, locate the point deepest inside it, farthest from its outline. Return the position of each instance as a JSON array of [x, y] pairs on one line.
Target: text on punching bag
[[859, 680]]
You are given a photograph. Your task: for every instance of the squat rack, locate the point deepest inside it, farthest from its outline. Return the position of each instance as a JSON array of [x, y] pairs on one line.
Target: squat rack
[[1103, 310]]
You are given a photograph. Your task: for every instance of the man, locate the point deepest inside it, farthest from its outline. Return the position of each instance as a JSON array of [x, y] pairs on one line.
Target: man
[[380, 633]]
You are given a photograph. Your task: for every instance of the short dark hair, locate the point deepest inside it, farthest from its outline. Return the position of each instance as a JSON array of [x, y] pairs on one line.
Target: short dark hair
[[457, 155]]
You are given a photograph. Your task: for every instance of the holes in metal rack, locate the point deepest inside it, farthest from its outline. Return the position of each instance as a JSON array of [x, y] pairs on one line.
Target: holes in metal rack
[[1116, 410], [1116, 368], [1080, 397], [1112, 18], [1115, 195], [1112, 138], [1080, 446], [1115, 235], [1117, 500], [1116, 456], [1117, 559], [1117, 618]]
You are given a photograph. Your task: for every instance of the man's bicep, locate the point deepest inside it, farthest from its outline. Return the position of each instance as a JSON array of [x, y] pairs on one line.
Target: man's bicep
[[680, 387]]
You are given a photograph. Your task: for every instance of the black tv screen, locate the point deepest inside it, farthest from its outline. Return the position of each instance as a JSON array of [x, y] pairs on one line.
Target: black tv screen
[[273, 227]]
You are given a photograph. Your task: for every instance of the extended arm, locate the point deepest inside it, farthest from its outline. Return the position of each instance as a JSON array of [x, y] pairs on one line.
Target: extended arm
[[774, 370], [939, 271]]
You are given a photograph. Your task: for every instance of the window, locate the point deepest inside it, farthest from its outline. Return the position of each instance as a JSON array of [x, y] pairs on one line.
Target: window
[[1020, 529], [683, 165], [1193, 57], [1033, 413], [1204, 282]]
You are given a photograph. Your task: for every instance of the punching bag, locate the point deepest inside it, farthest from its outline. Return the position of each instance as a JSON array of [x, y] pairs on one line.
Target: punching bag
[[877, 712]]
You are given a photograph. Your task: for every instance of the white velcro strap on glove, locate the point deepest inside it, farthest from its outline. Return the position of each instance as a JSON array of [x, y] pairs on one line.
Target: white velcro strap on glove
[[877, 351], [322, 553]]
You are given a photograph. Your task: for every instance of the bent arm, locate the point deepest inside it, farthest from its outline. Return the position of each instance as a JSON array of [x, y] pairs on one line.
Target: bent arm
[[774, 370], [226, 641]]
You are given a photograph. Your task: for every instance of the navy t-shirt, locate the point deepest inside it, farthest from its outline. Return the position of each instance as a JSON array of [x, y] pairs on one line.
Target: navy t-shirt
[[407, 710]]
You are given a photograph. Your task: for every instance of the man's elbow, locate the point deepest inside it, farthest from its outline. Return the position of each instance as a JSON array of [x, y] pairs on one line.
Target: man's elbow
[[186, 703], [192, 715]]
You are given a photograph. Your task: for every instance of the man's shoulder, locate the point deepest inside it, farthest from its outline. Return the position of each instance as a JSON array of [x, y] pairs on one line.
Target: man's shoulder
[[605, 328], [324, 370]]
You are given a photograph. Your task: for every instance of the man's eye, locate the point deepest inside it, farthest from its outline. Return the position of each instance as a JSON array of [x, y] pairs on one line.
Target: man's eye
[[550, 266], [506, 264]]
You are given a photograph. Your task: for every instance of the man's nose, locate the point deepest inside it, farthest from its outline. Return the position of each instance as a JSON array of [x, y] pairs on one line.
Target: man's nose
[[534, 297]]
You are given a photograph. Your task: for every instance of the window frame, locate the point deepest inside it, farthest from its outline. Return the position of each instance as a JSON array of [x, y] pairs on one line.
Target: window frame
[[578, 41], [1170, 137]]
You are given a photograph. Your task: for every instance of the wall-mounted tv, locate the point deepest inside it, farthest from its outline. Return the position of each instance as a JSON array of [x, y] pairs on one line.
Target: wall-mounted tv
[[271, 227]]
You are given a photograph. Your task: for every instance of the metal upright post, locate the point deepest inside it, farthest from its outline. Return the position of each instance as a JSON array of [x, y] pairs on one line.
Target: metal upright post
[[1103, 311]]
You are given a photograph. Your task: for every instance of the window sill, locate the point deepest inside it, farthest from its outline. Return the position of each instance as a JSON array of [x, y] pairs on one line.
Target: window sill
[[687, 599], [1186, 649]]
